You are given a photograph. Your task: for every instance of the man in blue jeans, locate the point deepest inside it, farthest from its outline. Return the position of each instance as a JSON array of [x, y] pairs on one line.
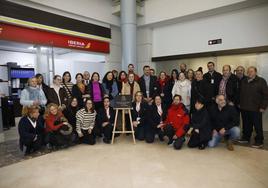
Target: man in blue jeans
[[225, 122]]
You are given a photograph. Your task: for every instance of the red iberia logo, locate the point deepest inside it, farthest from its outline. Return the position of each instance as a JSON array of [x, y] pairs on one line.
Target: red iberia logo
[[88, 45], [76, 44]]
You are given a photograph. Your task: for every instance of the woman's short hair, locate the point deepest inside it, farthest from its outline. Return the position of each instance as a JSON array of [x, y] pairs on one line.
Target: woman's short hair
[[27, 110], [177, 96], [137, 93], [95, 73], [78, 75]]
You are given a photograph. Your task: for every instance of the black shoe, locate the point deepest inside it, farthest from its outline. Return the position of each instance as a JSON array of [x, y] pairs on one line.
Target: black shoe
[[170, 142], [242, 141], [202, 147], [161, 138], [106, 141], [257, 145]]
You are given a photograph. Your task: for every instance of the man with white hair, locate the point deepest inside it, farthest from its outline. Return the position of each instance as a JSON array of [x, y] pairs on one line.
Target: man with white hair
[[86, 76], [225, 123]]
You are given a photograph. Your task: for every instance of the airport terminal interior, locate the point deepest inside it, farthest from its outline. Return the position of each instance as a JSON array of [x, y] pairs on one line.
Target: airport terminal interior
[[104, 66]]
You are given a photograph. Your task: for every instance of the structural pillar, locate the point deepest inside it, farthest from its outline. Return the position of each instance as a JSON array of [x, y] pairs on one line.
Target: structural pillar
[[129, 33]]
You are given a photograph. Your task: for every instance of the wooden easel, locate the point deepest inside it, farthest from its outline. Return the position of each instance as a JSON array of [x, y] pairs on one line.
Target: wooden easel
[[123, 123]]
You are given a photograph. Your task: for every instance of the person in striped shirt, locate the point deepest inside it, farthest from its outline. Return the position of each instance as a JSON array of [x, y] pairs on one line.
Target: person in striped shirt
[[67, 84], [85, 123]]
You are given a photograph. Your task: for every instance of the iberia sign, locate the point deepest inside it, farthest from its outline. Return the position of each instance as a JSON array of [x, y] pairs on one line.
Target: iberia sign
[[41, 37]]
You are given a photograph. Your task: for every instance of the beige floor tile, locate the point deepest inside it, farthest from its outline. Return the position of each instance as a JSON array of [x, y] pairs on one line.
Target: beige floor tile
[[142, 165]]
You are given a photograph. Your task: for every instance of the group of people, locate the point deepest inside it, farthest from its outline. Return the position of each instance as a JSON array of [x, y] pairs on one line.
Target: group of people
[[186, 107]]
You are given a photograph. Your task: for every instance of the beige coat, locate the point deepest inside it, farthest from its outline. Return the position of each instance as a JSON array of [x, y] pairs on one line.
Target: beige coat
[[126, 89]]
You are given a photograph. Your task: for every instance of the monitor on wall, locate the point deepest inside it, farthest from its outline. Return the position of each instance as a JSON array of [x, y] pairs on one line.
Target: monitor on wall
[[21, 72]]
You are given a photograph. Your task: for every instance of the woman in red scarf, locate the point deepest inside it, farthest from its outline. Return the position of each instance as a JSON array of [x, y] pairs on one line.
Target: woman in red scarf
[[57, 127], [176, 122], [165, 88]]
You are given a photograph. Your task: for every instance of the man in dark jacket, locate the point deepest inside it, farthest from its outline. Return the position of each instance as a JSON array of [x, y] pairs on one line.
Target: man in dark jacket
[[201, 89], [225, 122], [213, 77], [253, 102], [229, 85], [240, 74], [148, 85]]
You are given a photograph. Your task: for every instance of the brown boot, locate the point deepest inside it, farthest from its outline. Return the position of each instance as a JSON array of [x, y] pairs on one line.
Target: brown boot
[[229, 145]]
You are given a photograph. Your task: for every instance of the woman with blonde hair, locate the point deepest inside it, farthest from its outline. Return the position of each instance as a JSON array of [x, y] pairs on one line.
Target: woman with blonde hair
[[183, 88], [31, 129], [33, 95], [58, 129]]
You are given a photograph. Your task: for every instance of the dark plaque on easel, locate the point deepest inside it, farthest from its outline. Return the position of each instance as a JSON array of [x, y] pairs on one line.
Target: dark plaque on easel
[[123, 101]]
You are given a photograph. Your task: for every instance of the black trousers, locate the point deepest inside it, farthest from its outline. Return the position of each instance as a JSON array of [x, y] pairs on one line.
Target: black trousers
[[151, 132], [195, 141], [88, 138], [33, 146], [57, 139], [252, 119], [139, 132], [98, 105], [107, 131], [169, 131]]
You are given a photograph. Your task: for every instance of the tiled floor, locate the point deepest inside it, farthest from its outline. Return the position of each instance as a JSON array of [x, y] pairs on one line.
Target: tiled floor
[[142, 165], [10, 152]]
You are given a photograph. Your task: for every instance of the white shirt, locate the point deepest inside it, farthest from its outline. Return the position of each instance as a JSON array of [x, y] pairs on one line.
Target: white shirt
[[108, 113], [138, 106], [159, 109], [57, 90], [33, 123]]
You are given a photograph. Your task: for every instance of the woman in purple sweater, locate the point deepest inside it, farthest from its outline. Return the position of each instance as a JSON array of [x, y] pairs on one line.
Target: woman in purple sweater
[[97, 91]]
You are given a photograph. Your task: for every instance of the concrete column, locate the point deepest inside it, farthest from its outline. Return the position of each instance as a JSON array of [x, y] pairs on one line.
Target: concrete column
[[129, 33]]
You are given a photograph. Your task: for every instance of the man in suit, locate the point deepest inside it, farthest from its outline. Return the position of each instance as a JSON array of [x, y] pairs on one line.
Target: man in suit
[[148, 85], [86, 76], [213, 77], [131, 69]]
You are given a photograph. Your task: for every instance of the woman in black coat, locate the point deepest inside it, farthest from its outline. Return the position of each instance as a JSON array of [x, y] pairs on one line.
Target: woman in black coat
[[200, 128], [31, 130], [70, 114], [105, 120], [165, 88], [80, 90], [140, 114], [157, 118], [173, 78], [57, 93]]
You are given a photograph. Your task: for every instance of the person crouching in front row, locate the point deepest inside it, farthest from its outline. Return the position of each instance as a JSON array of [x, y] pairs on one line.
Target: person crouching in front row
[[199, 132], [85, 123], [105, 120], [31, 130], [225, 122], [140, 114], [176, 122], [58, 129], [157, 118]]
